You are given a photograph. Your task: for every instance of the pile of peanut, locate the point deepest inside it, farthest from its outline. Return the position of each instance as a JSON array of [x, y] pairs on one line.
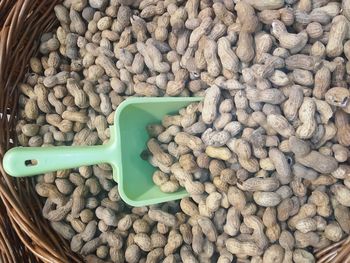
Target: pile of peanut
[[264, 156]]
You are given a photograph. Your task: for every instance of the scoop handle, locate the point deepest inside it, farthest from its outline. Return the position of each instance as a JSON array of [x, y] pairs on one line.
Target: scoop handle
[[28, 161]]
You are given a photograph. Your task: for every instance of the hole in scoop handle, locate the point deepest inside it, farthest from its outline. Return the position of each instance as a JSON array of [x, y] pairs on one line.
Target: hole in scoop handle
[[28, 161]]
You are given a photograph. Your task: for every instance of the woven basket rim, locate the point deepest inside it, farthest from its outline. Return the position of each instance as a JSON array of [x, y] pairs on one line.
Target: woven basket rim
[[25, 236]]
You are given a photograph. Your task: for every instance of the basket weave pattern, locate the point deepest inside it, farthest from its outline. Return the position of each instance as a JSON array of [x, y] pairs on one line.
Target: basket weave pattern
[[25, 236]]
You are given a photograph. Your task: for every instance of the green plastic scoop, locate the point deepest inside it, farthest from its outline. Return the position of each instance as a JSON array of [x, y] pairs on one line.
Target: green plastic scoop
[[127, 141]]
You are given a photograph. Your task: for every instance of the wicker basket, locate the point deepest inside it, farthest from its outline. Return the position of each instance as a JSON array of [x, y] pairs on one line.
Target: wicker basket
[[25, 236]]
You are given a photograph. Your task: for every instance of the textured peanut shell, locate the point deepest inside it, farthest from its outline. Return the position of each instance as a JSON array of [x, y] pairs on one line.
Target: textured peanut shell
[[319, 162], [143, 241], [281, 164], [245, 50], [300, 61], [248, 247], [163, 217], [267, 199], [306, 225], [221, 153], [208, 228], [307, 112], [342, 124], [280, 125], [247, 17], [260, 184], [274, 253], [342, 194], [292, 104], [211, 100], [337, 35], [333, 232], [266, 4], [337, 96], [228, 58]]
